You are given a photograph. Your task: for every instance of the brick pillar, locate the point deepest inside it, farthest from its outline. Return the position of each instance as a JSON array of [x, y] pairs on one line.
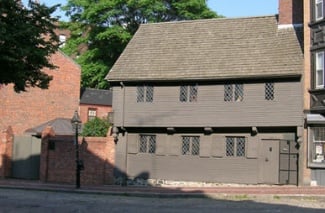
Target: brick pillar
[[110, 159], [6, 147], [47, 133]]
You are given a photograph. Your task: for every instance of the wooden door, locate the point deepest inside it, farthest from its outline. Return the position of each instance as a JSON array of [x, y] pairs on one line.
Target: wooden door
[[269, 161]]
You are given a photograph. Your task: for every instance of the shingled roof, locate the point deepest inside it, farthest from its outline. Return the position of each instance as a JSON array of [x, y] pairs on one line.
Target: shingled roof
[[96, 96], [225, 48]]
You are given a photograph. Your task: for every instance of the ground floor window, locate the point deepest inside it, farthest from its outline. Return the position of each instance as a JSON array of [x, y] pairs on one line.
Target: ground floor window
[[235, 146], [317, 145], [190, 145], [147, 144]]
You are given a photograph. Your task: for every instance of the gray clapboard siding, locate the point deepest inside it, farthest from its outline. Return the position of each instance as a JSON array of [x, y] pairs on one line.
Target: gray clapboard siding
[[211, 109], [193, 168], [210, 165]]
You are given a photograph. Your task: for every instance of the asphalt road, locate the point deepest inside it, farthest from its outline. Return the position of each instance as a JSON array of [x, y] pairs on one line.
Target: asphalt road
[[13, 200]]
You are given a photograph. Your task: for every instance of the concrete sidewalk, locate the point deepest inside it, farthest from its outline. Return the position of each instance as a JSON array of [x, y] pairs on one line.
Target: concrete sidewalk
[[151, 191]]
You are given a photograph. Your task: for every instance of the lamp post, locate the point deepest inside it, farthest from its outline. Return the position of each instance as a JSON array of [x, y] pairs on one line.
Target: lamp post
[[76, 124]]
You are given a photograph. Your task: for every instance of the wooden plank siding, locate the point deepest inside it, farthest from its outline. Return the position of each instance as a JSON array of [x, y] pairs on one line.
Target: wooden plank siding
[[208, 166], [210, 109]]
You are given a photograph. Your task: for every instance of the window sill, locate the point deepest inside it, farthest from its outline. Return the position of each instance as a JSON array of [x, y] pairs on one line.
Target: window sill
[[315, 22], [316, 165]]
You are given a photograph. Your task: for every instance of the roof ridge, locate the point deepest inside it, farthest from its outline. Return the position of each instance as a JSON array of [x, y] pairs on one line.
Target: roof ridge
[[209, 19]]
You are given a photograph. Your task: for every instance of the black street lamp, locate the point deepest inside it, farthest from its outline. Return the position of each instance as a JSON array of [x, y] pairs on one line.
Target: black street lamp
[[76, 125]]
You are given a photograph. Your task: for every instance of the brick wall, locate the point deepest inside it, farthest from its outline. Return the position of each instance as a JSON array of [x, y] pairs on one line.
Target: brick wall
[[58, 157], [102, 111], [28, 109], [6, 145]]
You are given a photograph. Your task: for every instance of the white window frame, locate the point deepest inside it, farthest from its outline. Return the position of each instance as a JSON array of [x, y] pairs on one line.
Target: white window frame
[[316, 148], [319, 68], [92, 113], [319, 3]]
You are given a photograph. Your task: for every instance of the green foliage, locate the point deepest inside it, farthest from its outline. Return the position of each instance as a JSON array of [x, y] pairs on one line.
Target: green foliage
[[96, 127], [24, 50], [101, 29]]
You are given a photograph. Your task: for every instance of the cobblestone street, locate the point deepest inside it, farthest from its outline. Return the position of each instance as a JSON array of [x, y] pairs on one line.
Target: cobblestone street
[[13, 200]]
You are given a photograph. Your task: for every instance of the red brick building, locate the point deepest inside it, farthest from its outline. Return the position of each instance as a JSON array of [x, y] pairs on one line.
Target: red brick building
[[95, 103], [28, 109]]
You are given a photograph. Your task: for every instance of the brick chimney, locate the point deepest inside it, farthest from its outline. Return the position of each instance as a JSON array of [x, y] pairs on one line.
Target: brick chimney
[[290, 12]]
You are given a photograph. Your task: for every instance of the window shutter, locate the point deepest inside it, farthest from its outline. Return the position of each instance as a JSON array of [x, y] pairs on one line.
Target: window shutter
[[205, 146], [174, 144], [161, 141], [133, 140], [218, 148], [252, 147]]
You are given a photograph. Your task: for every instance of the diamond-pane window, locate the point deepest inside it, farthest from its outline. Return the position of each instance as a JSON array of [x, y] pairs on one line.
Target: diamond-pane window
[[193, 93], [152, 144], [230, 146], [140, 94], [149, 94], [269, 91], [239, 92], [183, 93], [195, 145], [235, 146], [240, 147], [145, 93], [143, 144], [186, 145], [188, 93], [233, 92], [228, 92], [147, 144], [190, 145]]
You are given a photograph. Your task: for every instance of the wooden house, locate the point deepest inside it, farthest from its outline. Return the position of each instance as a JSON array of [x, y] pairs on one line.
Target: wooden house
[[216, 100]]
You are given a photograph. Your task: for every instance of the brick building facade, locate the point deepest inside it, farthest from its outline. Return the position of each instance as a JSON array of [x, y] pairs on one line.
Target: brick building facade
[[28, 109], [95, 103]]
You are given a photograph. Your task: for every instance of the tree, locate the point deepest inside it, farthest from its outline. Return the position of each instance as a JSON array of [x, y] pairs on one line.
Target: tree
[[27, 40], [101, 29], [97, 127]]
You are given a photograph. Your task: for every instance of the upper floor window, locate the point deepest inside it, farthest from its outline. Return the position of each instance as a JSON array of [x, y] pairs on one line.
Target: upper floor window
[[234, 92], [188, 93], [145, 93], [235, 146], [269, 91], [190, 145], [319, 9], [147, 144], [319, 72], [92, 113]]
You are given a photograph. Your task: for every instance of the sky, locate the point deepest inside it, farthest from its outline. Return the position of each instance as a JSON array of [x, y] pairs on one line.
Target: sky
[[227, 8]]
